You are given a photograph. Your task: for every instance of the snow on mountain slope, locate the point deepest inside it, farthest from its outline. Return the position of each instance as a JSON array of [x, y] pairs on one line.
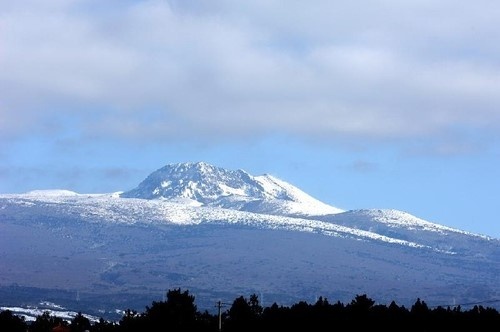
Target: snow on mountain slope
[[107, 208], [384, 219], [288, 200], [30, 314], [406, 227], [51, 192], [390, 226], [214, 186]]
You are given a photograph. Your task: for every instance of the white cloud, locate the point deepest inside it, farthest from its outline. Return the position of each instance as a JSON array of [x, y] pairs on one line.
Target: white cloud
[[228, 69]]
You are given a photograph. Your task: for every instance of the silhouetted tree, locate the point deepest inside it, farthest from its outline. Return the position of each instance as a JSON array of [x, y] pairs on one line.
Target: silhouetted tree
[[300, 315], [46, 322], [104, 326], [420, 317], [80, 323], [12, 323], [274, 318], [361, 304], [207, 322], [132, 321], [244, 315], [178, 313], [419, 308]]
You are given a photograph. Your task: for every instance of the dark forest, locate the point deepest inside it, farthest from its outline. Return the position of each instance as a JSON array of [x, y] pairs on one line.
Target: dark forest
[[179, 313]]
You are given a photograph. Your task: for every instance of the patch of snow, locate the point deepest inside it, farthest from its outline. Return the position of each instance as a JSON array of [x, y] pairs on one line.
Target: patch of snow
[[296, 201], [227, 190], [51, 305], [401, 218], [165, 184], [52, 192], [184, 201], [30, 314]]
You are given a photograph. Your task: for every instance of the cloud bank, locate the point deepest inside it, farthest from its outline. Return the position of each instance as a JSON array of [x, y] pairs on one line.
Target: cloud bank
[[218, 70]]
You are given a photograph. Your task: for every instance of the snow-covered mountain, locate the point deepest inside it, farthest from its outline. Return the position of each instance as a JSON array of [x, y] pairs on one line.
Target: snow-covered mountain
[[221, 234], [204, 184]]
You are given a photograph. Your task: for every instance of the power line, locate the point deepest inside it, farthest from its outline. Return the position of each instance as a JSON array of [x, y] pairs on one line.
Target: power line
[[466, 304], [219, 304]]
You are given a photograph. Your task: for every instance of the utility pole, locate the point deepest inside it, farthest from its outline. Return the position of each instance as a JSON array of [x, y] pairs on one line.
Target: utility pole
[[219, 305]]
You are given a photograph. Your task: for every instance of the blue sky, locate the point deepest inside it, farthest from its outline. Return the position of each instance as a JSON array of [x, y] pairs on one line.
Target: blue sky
[[372, 104]]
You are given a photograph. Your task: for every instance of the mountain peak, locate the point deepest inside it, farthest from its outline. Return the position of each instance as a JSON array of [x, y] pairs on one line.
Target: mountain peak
[[217, 186], [199, 181], [199, 166]]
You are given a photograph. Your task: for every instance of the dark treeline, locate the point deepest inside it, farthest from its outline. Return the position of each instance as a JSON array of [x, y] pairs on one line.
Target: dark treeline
[[179, 313]]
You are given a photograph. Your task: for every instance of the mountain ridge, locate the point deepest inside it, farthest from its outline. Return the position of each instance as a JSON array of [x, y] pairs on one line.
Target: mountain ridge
[[226, 233]]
